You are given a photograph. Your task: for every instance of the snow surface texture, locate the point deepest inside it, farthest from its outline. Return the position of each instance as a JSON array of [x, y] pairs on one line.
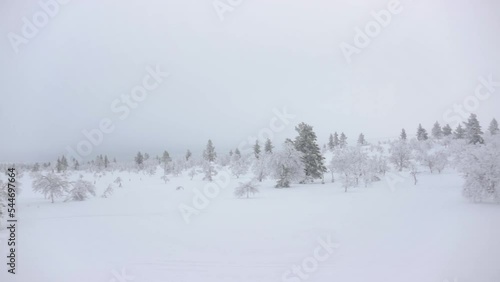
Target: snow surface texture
[[401, 233]]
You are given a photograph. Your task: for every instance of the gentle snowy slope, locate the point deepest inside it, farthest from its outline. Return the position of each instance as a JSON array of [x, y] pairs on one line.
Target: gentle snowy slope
[[407, 234]]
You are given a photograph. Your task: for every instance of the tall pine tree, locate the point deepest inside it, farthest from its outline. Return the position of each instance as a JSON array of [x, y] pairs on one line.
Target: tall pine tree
[[268, 147], [437, 131], [403, 135], [331, 143], [422, 133], [209, 153], [361, 139], [493, 128], [459, 132], [342, 140], [447, 131], [473, 130], [306, 143], [256, 149]]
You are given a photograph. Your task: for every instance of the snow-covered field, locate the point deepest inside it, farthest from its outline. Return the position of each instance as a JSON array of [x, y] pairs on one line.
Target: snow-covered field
[[314, 232]]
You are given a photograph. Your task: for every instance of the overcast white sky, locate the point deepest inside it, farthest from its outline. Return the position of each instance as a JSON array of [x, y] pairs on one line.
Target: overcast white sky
[[227, 76]]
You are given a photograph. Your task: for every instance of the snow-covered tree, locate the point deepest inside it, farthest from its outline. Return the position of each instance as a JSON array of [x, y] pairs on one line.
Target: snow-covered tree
[[245, 189], [177, 167], [139, 160], [165, 159], [260, 167], [80, 190], [369, 169], [493, 128], [422, 133], [58, 165], [51, 185], [76, 165], [447, 131], [118, 181], [343, 140], [106, 162], [209, 157], [331, 142], [441, 160], [481, 170], [239, 164], [348, 163], [165, 178], [287, 166], [400, 154], [188, 155], [424, 154], [437, 131], [209, 154], [256, 149], [473, 130], [306, 143], [403, 135], [361, 139], [268, 146], [459, 132]]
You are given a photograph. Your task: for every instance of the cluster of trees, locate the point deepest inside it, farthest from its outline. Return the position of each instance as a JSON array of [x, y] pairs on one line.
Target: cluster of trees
[[301, 161], [470, 131]]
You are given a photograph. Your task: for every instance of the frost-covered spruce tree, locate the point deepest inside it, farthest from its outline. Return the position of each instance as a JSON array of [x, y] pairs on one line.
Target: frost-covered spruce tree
[[336, 141], [51, 185], [437, 131], [287, 166], [139, 160], [188, 155], [165, 160], [400, 154], [331, 142], [256, 149], [239, 164], [106, 161], [343, 140], [260, 167], [268, 146], [481, 170], [422, 133], [473, 130], [80, 190], [177, 167], [361, 139], [403, 135], [447, 131], [493, 128], [306, 143], [209, 157], [459, 132]]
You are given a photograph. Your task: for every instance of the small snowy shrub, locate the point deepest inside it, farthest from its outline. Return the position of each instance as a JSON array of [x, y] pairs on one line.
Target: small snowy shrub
[[481, 171], [81, 190], [245, 189]]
